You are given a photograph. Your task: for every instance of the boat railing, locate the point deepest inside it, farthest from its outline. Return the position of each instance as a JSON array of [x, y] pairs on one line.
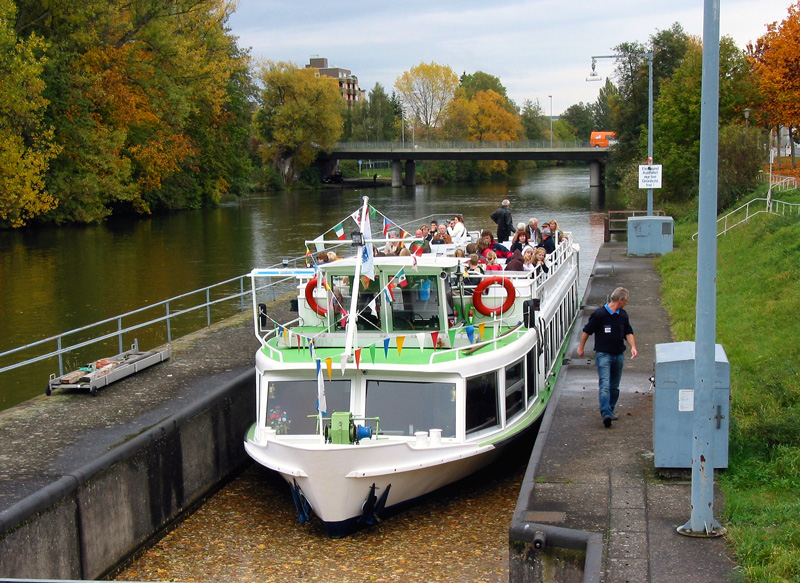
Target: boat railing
[[466, 350], [155, 324]]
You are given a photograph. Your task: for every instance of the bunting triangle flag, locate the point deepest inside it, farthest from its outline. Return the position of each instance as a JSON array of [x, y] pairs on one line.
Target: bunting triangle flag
[[470, 333], [400, 341], [421, 341], [372, 353], [328, 363], [343, 363], [358, 358], [481, 327], [339, 230], [435, 338], [452, 334], [386, 347]]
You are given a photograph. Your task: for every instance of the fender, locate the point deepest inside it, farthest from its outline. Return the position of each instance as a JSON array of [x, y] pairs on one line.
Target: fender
[[477, 295]]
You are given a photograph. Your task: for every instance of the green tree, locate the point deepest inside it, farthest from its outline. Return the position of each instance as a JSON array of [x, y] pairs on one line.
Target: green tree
[[581, 118], [535, 124], [371, 120], [425, 92], [601, 109], [299, 114], [26, 143], [677, 127]]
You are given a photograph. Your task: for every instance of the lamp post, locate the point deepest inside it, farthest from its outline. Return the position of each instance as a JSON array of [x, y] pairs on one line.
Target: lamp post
[[551, 120], [746, 117], [593, 76]]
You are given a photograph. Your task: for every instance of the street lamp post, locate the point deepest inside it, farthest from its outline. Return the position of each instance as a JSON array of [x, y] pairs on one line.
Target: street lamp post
[[746, 117], [593, 76], [551, 120]]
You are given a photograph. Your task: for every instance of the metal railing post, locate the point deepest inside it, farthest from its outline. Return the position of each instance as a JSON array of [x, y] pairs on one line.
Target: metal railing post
[[119, 336], [60, 358], [208, 306], [169, 324]]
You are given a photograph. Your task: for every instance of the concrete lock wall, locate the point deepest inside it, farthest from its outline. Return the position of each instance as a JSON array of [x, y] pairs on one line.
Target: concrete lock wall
[[83, 525]]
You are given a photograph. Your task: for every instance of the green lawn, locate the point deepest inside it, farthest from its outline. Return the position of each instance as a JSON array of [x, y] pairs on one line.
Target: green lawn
[[758, 314]]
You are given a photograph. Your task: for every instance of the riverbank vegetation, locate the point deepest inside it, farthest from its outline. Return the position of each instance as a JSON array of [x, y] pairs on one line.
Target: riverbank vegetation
[[152, 106], [757, 282]]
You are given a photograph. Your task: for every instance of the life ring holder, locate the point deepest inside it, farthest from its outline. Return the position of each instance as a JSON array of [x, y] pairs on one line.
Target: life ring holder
[[477, 295], [312, 301]]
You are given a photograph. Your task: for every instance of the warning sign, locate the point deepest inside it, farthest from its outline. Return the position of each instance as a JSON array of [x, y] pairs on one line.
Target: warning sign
[[650, 176]]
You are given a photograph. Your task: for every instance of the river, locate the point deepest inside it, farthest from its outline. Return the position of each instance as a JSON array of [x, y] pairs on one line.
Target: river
[[57, 279]]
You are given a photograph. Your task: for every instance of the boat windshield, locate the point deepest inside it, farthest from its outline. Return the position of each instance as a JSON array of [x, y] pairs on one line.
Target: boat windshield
[[289, 404], [407, 407]]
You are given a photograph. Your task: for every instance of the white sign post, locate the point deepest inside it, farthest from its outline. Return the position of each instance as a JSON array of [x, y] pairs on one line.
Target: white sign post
[[650, 176]]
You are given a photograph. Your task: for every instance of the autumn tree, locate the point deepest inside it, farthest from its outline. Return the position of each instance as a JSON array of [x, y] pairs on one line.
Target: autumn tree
[[580, 117], [146, 103], [425, 92], [299, 115], [775, 60], [26, 143]]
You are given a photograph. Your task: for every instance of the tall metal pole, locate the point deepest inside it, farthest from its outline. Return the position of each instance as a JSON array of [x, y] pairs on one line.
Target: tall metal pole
[[702, 523], [650, 129], [551, 120]]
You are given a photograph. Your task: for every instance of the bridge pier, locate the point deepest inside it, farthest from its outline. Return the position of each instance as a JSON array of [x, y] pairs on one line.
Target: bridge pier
[[411, 173], [397, 173], [595, 173]]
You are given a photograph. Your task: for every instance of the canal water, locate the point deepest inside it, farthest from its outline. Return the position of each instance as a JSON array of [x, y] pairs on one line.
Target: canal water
[[58, 279]]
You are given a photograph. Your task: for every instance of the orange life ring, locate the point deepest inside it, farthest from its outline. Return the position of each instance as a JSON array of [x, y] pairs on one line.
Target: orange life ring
[[312, 301], [477, 296]]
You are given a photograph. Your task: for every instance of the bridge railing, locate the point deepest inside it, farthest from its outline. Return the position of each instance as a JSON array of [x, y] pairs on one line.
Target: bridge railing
[[410, 145]]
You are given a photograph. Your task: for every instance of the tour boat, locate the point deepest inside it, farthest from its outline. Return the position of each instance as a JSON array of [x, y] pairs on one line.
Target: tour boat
[[400, 375]]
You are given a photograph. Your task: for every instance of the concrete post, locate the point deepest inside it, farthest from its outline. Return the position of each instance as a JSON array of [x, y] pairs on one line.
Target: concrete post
[[411, 173], [595, 173], [397, 173]]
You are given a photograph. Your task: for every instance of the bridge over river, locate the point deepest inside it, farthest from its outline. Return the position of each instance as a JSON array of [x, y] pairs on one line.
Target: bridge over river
[[404, 155]]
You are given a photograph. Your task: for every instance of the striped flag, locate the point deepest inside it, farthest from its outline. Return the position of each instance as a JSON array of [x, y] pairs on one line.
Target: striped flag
[[386, 225], [401, 278], [339, 230]]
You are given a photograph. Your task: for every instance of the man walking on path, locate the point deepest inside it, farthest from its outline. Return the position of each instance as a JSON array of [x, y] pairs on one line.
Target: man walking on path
[[505, 224], [611, 328]]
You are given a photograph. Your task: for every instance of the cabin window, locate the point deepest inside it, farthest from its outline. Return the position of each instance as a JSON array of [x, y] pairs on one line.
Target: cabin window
[[482, 410], [532, 361], [515, 388], [407, 407], [415, 305], [289, 404]]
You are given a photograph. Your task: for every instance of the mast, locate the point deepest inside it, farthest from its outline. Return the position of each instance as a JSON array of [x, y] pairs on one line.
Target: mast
[[352, 316]]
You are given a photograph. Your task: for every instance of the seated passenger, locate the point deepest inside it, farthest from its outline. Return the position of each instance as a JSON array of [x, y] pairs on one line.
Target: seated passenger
[[457, 227], [540, 261], [491, 262], [441, 236], [557, 234], [527, 259], [515, 262], [547, 240], [392, 247], [520, 242], [472, 276], [418, 247]]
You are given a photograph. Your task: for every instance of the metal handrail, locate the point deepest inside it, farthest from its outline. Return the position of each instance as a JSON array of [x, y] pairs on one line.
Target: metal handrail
[[463, 145], [771, 206], [168, 315]]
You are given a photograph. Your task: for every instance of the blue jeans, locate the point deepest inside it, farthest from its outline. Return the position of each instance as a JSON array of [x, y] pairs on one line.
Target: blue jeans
[[609, 369]]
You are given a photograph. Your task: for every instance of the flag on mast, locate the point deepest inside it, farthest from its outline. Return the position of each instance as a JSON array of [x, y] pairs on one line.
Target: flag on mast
[[322, 405], [339, 230]]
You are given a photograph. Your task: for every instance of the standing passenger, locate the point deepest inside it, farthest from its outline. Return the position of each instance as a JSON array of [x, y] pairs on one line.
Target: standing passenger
[[505, 224]]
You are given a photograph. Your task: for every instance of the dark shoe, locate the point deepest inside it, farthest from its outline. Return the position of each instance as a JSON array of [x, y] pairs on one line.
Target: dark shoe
[[607, 421]]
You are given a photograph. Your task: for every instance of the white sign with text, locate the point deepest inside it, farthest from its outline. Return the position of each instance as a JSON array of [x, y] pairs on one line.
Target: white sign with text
[[650, 176]]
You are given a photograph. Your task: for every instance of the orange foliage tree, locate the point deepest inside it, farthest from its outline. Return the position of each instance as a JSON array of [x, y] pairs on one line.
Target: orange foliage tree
[[775, 60]]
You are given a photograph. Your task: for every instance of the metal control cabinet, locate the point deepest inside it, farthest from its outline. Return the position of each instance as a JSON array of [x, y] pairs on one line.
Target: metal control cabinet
[[649, 236], [673, 405]]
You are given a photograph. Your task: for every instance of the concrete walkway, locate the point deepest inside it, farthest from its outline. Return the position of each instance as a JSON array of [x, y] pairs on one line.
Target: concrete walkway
[[603, 480]]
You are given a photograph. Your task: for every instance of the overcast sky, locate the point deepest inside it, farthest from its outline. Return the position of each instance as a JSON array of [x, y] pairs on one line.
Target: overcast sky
[[537, 48]]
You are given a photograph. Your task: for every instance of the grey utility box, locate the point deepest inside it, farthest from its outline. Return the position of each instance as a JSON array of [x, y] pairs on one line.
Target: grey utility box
[[673, 405], [649, 236]]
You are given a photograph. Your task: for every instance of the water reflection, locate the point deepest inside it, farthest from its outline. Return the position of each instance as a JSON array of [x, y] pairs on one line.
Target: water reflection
[[53, 280]]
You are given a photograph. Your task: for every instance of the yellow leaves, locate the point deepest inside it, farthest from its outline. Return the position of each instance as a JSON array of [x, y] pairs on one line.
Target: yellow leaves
[[426, 91], [160, 156]]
